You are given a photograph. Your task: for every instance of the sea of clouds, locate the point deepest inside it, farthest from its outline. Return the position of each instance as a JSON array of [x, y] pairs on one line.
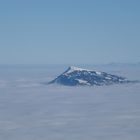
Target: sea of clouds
[[31, 110]]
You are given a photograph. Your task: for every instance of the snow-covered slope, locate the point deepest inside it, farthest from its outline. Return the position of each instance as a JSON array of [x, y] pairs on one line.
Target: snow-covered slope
[[74, 76]]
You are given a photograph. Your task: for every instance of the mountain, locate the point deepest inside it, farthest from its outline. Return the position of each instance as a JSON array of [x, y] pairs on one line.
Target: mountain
[[75, 76]]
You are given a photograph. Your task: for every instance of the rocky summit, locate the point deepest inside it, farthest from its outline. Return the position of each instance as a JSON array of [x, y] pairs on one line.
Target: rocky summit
[[75, 76]]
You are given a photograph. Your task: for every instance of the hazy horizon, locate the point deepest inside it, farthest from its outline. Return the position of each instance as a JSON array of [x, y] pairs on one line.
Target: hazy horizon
[[67, 32]]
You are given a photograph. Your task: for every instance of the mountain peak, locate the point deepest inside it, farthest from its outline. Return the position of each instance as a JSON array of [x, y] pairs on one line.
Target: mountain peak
[[73, 68], [77, 76]]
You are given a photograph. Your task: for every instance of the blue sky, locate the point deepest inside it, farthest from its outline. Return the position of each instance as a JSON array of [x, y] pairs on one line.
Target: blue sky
[[69, 31]]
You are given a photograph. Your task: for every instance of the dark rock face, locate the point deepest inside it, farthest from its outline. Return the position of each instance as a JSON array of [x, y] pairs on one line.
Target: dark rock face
[[74, 76]]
